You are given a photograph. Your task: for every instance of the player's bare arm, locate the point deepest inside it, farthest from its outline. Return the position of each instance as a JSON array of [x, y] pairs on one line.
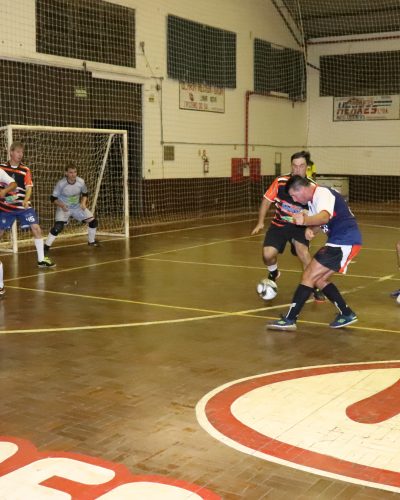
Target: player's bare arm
[[310, 232], [59, 203], [83, 202], [302, 219], [28, 194], [11, 187], [264, 207]]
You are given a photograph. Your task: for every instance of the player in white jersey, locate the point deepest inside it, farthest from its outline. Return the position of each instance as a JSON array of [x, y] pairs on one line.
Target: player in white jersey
[[70, 196], [7, 184], [327, 210]]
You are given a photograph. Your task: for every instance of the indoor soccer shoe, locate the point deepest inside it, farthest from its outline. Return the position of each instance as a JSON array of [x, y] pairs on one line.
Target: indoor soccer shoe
[[94, 243], [395, 294], [282, 324], [2, 291], [342, 320], [46, 262]]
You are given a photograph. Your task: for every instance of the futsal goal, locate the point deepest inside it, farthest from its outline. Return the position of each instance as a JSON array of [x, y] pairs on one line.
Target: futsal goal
[[101, 159]]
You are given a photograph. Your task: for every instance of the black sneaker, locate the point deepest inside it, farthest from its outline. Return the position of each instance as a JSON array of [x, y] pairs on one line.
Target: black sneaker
[[46, 262], [94, 243]]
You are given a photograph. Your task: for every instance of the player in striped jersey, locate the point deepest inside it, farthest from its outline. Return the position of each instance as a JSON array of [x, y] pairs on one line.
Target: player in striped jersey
[[17, 206], [328, 211], [7, 185], [283, 230]]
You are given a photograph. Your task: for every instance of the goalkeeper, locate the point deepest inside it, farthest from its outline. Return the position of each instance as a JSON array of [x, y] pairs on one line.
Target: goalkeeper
[[70, 196]]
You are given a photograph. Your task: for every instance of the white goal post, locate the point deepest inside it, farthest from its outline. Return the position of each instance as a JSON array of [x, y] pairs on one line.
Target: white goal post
[[101, 158]]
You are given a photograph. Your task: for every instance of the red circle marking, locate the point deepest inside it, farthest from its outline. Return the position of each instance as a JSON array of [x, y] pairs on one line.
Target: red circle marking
[[219, 414]]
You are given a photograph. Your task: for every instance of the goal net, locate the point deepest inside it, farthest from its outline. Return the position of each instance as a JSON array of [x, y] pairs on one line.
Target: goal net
[[100, 156]]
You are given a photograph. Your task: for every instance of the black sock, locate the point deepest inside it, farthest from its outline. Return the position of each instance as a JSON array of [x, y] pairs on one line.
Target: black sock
[[300, 297], [273, 275], [333, 294]]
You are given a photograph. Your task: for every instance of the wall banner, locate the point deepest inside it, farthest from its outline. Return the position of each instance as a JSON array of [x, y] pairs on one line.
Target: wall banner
[[361, 108], [199, 97]]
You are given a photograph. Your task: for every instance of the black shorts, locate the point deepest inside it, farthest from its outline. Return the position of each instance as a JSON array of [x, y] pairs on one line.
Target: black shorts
[[277, 237], [337, 258]]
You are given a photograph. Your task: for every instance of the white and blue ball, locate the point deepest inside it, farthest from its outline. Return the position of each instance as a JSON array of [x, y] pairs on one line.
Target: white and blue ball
[[267, 289]]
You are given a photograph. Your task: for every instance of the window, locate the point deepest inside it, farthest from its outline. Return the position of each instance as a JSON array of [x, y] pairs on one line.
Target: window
[[201, 54], [278, 69], [374, 73], [92, 30]]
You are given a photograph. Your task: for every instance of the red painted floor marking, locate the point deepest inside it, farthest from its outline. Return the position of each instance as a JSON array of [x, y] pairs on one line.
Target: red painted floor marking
[[219, 414], [378, 407]]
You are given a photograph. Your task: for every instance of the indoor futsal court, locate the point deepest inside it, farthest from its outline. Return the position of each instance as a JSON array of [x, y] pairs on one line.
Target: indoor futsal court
[[139, 143]]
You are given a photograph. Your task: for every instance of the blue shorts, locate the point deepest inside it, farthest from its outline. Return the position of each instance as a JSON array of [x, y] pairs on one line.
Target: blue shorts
[[25, 218]]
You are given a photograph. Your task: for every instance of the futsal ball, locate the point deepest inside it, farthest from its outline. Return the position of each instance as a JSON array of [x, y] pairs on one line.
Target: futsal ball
[[267, 289]]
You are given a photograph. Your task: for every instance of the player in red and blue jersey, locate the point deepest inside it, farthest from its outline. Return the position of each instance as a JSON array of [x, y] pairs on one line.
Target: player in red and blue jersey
[[328, 211], [283, 230], [17, 205]]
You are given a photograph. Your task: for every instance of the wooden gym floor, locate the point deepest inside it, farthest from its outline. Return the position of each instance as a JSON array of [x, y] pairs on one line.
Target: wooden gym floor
[[108, 354]]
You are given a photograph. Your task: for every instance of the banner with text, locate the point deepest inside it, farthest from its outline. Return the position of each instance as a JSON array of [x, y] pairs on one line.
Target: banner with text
[[200, 97], [361, 108]]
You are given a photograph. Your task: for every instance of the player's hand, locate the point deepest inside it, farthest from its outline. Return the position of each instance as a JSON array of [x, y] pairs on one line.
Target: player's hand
[[64, 208], [257, 229], [25, 203], [298, 219], [2, 193], [309, 234]]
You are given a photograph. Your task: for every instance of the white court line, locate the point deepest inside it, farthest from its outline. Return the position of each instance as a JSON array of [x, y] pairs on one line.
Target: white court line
[[52, 271], [392, 276], [119, 238]]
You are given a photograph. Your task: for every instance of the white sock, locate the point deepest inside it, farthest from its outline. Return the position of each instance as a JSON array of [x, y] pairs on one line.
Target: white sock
[[39, 244], [272, 268], [91, 234], [50, 239], [1, 275]]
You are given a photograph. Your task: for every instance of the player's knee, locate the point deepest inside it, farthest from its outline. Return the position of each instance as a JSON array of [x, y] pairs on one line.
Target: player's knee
[[57, 228], [93, 223], [269, 255]]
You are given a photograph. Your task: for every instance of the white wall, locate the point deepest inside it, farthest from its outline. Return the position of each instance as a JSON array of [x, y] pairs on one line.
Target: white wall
[[274, 124], [351, 147]]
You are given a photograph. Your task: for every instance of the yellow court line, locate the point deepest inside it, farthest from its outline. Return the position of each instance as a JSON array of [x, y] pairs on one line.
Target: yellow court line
[[120, 325], [180, 320], [112, 299], [214, 314]]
